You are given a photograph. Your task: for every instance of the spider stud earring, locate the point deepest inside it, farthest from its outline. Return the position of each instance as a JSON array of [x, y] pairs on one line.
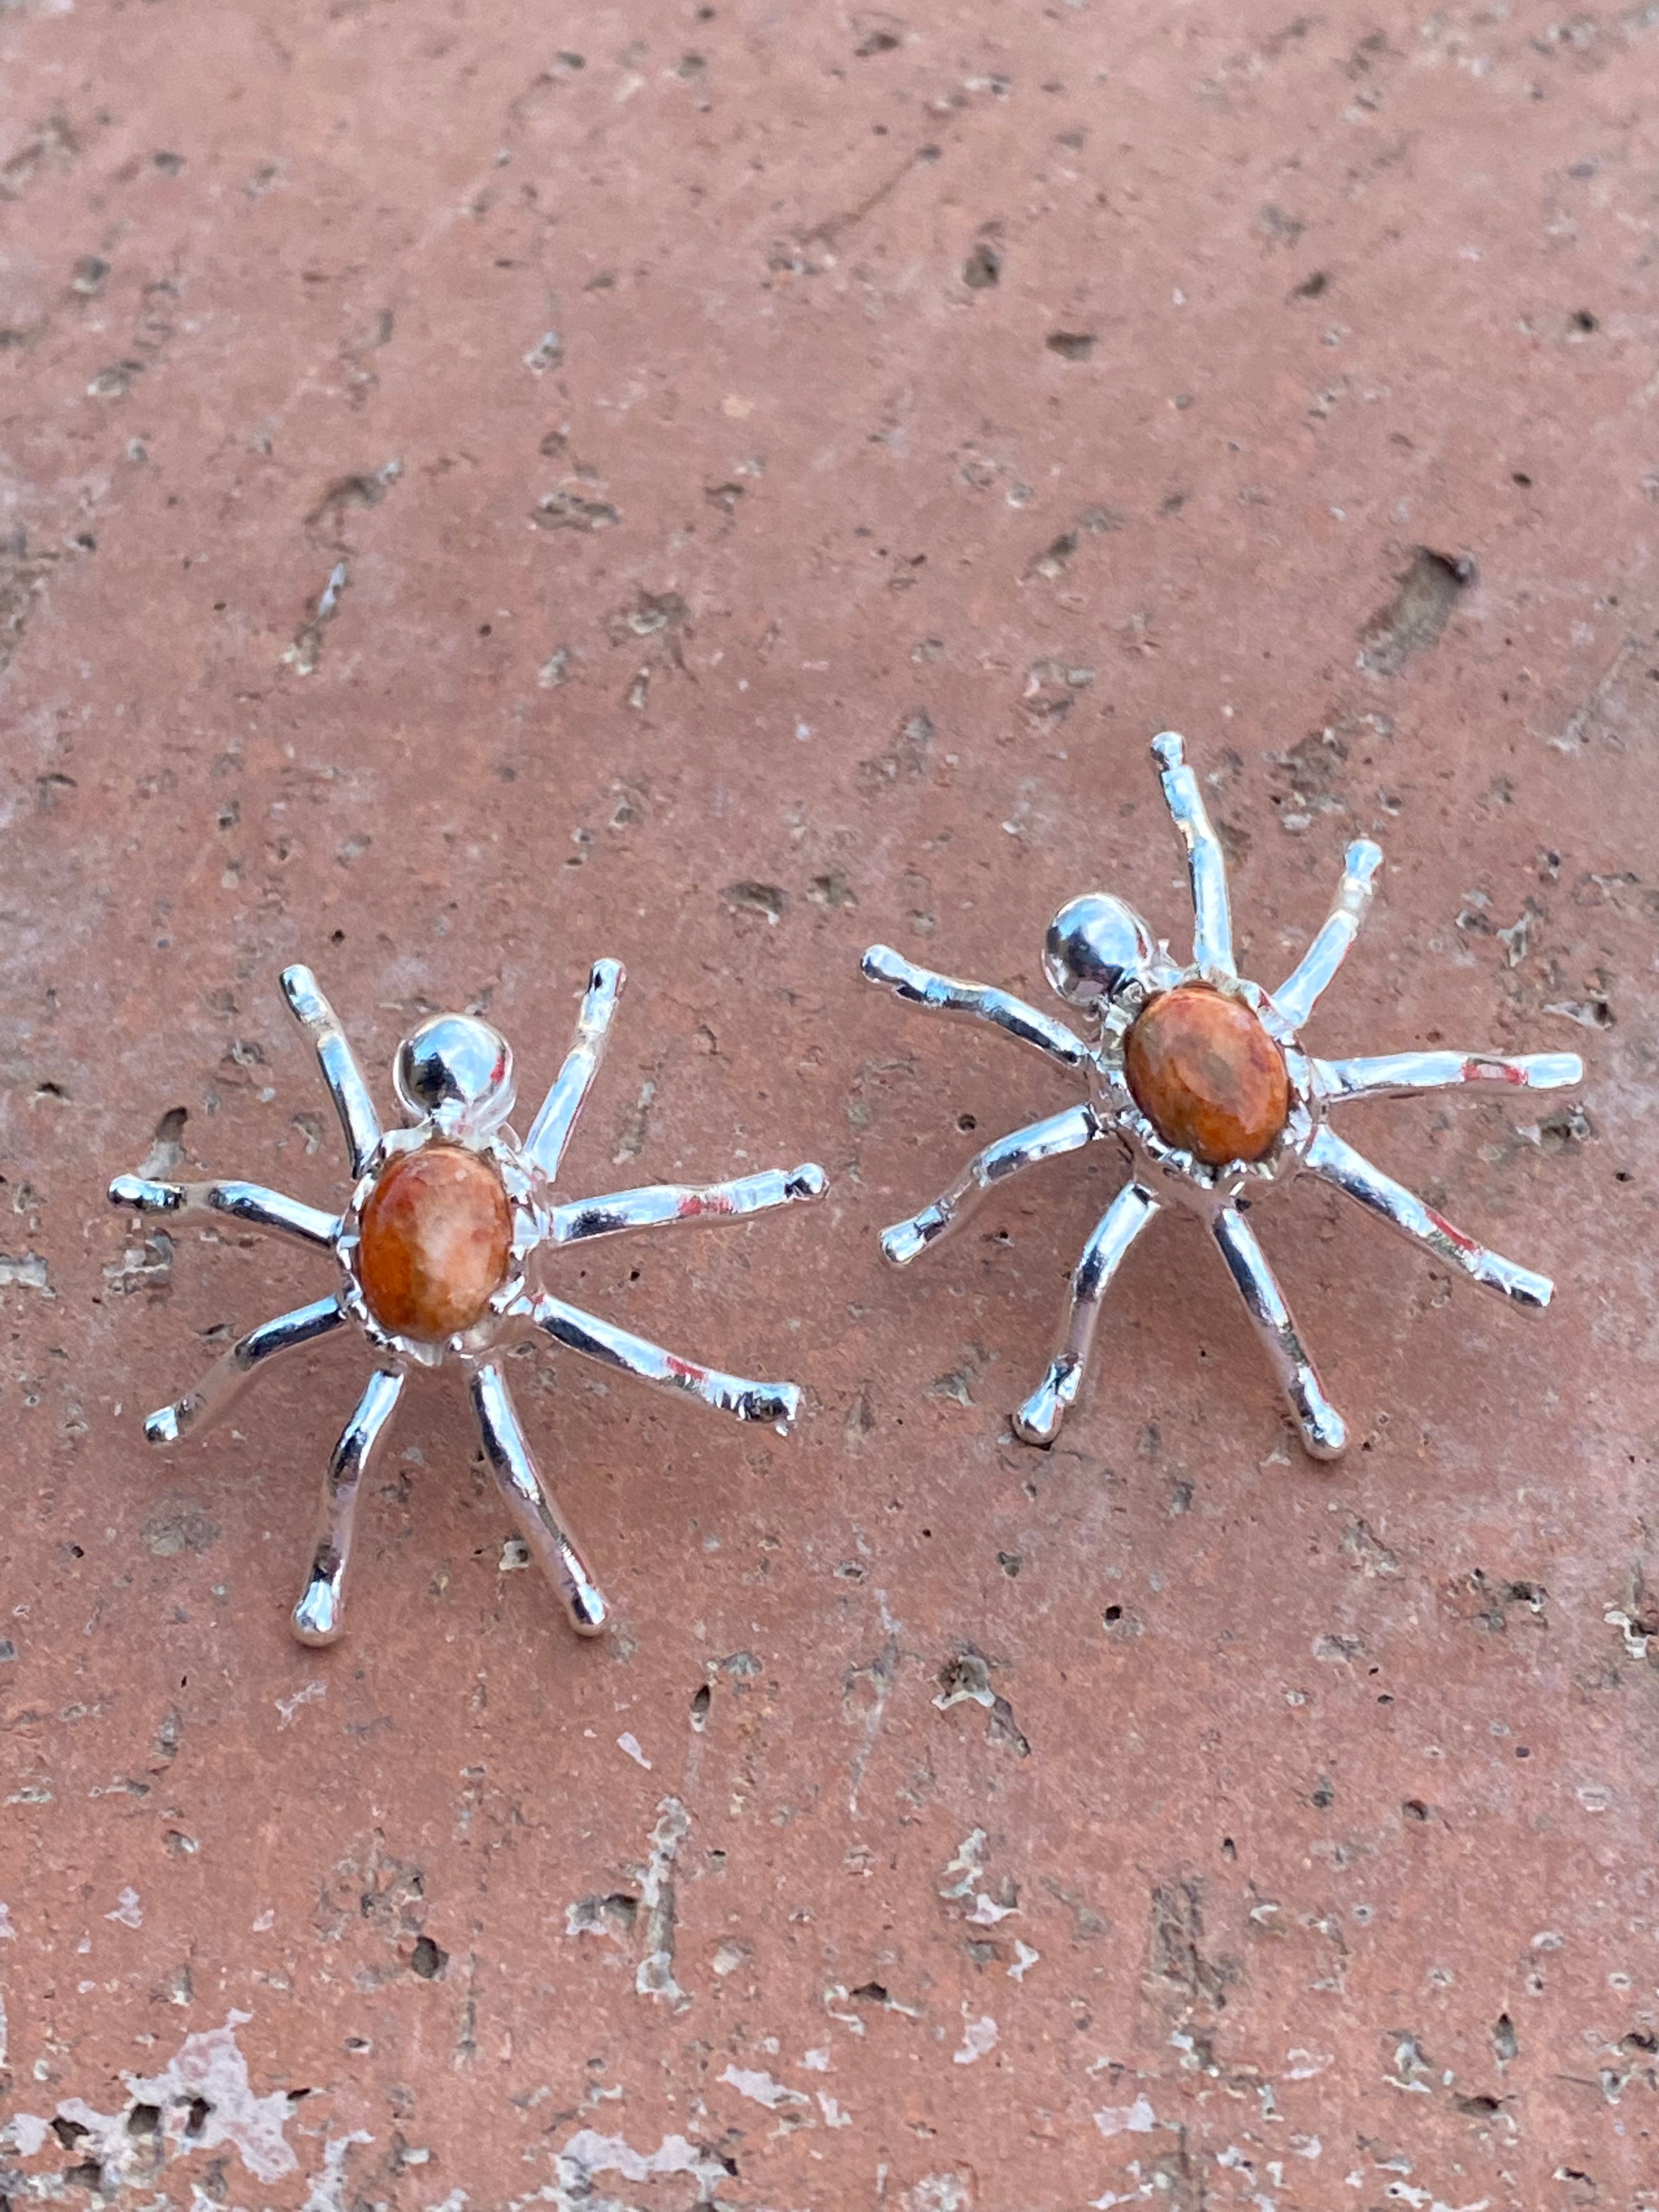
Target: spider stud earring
[[437, 1255], [1200, 1077]]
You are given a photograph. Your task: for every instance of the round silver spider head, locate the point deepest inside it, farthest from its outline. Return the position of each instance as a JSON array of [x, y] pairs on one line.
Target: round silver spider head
[[456, 1071], [1097, 946]]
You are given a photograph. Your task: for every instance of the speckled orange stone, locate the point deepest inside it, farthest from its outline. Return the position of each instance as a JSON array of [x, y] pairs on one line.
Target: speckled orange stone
[[437, 1236], [1207, 1075]]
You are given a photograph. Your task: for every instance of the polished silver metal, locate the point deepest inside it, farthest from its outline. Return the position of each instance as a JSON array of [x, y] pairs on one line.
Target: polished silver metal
[[549, 1131], [456, 1073], [1206, 864], [1300, 993], [1101, 959], [611, 1347], [231, 1373], [1403, 1211], [1037, 1421], [320, 1615], [1097, 948], [453, 1079], [539, 1522], [249, 1204], [340, 1073], [1409, 1074], [658, 1203], [1067, 1132], [975, 1002]]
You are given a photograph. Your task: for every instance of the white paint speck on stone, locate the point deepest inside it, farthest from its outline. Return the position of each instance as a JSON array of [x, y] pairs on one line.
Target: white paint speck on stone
[[287, 1707], [630, 1743], [1024, 1964], [588, 2153], [761, 2089], [1136, 2119], [129, 1912], [978, 2037]]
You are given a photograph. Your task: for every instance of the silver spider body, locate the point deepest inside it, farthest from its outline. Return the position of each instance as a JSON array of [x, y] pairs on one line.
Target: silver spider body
[[1102, 959], [455, 1080]]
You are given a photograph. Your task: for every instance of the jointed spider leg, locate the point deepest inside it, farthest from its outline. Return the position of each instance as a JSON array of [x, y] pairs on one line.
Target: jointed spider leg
[[1403, 1211], [319, 1614], [340, 1070], [1323, 1434], [660, 1204], [1213, 928], [1406, 1074], [1298, 995], [634, 1355], [224, 1382], [247, 1203], [1009, 1155], [539, 1522], [944, 994], [1037, 1421], [549, 1131]]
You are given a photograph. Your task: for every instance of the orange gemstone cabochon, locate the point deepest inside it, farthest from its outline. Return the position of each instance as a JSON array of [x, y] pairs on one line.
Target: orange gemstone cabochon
[[1207, 1075], [436, 1237]]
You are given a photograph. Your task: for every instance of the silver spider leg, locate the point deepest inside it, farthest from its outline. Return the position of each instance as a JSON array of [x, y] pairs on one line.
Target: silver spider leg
[[1323, 1433], [1037, 1421], [320, 1615], [1406, 1074], [944, 994], [249, 1204], [611, 1347], [659, 1203], [340, 1073], [549, 1131], [1298, 995], [230, 1374], [540, 1523], [1339, 1164], [1213, 928], [1009, 1155]]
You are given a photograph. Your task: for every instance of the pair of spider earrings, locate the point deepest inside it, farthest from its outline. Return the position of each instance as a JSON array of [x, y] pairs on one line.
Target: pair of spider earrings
[[1197, 1073]]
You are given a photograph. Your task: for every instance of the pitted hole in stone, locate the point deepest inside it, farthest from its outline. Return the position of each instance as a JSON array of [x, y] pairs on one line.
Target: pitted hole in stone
[[166, 1148], [145, 2122], [427, 1960], [701, 1699], [195, 2119], [68, 2132]]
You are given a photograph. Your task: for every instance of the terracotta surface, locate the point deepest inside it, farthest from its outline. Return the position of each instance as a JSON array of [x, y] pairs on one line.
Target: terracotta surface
[[487, 488]]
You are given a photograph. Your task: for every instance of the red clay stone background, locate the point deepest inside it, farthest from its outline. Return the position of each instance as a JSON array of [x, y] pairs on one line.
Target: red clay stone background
[[778, 466]]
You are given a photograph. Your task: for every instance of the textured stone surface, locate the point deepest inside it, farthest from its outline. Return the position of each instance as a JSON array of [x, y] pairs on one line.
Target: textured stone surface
[[1207, 1075], [436, 1234], [484, 488]]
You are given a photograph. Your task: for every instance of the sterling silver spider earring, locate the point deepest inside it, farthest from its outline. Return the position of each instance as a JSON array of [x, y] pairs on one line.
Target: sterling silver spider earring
[[438, 1251], [1201, 1077]]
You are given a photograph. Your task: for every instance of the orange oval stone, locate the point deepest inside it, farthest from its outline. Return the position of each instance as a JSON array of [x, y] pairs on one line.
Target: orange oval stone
[[1207, 1075], [436, 1237]]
